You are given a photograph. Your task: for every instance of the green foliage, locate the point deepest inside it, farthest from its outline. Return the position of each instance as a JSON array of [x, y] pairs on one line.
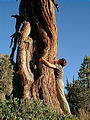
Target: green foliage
[[79, 90], [28, 109], [84, 72], [6, 76]]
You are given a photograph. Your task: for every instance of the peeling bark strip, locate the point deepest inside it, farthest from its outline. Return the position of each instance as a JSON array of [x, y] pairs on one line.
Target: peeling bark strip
[[35, 79], [24, 72]]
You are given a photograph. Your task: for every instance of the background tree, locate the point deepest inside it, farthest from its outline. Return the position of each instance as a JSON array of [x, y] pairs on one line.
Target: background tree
[[84, 73], [79, 90]]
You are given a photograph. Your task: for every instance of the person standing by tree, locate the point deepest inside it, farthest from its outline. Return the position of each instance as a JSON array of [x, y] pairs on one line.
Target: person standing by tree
[[58, 70]]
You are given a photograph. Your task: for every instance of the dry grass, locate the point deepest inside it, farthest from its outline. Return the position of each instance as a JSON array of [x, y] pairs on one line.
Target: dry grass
[[83, 114]]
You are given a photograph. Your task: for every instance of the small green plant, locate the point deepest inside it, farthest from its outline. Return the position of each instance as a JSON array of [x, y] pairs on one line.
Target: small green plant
[[29, 109]]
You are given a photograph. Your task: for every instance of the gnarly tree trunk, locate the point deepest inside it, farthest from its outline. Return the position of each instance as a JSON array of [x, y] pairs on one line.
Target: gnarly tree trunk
[[25, 50], [34, 78]]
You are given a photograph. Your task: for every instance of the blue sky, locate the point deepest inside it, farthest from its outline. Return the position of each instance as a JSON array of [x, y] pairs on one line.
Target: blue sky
[[73, 25]]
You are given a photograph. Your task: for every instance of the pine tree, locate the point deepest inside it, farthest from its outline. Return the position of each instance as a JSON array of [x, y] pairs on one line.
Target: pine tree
[[79, 90], [84, 72]]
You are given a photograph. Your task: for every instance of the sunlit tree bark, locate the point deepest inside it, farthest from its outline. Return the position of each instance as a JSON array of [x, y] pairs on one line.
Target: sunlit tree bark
[[33, 78]]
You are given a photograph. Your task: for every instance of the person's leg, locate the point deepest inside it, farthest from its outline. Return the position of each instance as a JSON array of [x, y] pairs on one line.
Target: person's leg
[[62, 99]]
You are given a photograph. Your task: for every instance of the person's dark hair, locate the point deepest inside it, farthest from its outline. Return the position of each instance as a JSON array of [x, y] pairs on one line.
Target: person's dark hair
[[62, 62]]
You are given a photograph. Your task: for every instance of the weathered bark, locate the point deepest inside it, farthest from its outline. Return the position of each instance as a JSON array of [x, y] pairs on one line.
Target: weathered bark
[[25, 50], [35, 79]]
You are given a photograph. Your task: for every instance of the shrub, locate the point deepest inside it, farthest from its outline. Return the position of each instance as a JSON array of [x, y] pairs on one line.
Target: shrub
[[6, 76], [28, 109]]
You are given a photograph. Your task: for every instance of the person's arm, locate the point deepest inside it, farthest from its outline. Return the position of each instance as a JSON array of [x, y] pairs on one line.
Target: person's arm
[[47, 63]]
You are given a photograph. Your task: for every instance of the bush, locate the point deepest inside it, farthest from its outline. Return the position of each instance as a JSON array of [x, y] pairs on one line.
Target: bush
[[28, 109], [6, 76]]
